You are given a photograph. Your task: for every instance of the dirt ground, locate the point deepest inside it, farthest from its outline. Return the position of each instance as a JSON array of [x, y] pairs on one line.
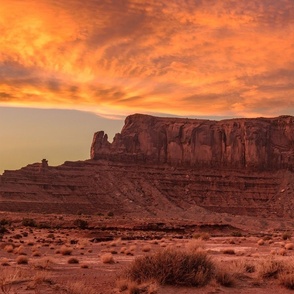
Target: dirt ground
[[51, 255]]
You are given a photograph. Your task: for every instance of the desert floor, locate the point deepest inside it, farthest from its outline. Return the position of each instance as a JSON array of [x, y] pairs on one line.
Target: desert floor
[[53, 255]]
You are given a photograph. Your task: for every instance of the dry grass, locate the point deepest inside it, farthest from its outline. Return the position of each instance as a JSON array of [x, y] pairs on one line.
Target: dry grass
[[36, 254], [260, 242], [289, 246], [172, 267], [38, 279], [123, 249], [115, 242], [107, 258], [19, 250], [270, 268], [4, 262], [65, 250], [9, 277], [287, 280], [146, 248], [133, 248], [8, 248], [133, 287], [225, 278], [195, 245], [79, 288], [122, 284], [21, 259], [45, 263], [203, 236]]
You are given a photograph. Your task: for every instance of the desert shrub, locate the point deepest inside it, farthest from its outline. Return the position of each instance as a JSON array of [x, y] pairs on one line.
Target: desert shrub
[[107, 258], [123, 249], [203, 236], [225, 278], [73, 260], [236, 234], [29, 222], [110, 213], [287, 280], [4, 262], [146, 248], [4, 222], [3, 230], [172, 267], [44, 225], [21, 259], [229, 251], [81, 224], [79, 287], [133, 287], [64, 250], [249, 268], [194, 245], [9, 248], [289, 246], [270, 268], [286, 236], [45, 263], [115, 242]]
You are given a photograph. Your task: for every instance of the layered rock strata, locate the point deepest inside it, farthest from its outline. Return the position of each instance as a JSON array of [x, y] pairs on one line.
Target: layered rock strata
[[168, 167], [255, 144]]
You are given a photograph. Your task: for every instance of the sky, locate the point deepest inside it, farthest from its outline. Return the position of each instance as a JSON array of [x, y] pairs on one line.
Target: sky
[[70, 68]]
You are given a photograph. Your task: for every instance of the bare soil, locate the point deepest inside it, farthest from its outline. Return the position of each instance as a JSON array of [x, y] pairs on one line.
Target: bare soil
[[49, 271]]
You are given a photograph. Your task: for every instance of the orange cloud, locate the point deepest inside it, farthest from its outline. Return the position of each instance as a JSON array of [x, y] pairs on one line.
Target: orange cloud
[[228, 58]]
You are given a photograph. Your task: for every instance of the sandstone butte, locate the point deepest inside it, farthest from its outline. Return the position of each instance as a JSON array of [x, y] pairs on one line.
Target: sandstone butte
[[257, 144], [167, 167]]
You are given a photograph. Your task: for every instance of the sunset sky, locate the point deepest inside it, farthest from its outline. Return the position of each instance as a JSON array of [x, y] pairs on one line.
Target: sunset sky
[[71, 67]]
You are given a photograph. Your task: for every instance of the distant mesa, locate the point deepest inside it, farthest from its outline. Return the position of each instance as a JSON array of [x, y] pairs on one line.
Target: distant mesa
[[257, 144], [168, 167]]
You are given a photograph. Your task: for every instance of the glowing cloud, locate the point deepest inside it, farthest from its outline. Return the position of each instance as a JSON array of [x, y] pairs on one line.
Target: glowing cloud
[[119, 57]]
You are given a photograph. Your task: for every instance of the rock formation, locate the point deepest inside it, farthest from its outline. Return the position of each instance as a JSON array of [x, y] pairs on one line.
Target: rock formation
[[256, 144], [168, 167]]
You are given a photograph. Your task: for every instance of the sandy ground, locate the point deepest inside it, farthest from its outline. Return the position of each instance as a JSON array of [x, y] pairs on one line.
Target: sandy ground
[[48, 270]]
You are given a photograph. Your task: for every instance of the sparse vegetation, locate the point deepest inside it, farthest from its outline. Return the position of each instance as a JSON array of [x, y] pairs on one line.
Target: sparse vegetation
[[225, 278], [81, 224], [287, 280], [29, 222], [73, 260], [65, 250], [229, 251], [107, 258], [21, 259], [79, 288], [172, 267], [286, 236], [270, 268]]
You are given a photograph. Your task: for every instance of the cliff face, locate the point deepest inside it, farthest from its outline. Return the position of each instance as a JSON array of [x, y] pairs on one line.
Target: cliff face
[[259, 144], [168, 167]]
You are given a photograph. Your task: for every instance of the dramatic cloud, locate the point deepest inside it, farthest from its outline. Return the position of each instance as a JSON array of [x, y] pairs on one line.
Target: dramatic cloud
[[188, 57]]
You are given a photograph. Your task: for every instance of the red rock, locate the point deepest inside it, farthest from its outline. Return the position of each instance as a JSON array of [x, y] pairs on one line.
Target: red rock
[[259, 143]]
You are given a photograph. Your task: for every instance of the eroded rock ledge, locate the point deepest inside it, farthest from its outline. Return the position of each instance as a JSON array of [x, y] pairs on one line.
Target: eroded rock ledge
[[257, 144]]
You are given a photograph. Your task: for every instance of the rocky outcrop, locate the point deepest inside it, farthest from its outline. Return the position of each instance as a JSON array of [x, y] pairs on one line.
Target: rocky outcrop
[[168, 167], [143, 190], [257, 144]]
